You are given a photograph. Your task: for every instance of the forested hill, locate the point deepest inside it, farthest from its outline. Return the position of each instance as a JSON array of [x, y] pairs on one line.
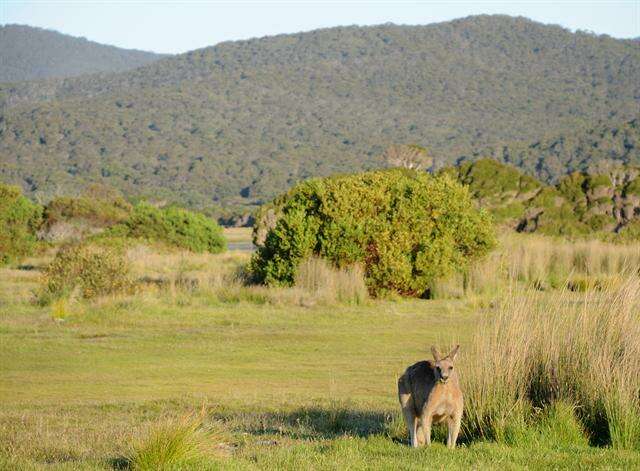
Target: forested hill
[[237, 123], [28, 53]]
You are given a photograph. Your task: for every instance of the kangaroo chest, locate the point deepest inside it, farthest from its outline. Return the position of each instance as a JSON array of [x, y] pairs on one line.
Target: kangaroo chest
[[441, 402]]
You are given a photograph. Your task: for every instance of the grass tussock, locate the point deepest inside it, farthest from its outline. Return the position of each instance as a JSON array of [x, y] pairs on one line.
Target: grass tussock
[[555, 426], [174, 444], [582, 349]]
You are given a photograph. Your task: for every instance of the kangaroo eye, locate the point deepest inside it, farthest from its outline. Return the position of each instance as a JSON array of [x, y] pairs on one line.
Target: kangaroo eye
[[451, 367]]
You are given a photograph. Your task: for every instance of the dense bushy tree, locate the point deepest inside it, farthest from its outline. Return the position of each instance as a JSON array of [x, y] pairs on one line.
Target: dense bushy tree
[[406, 228], [92, 269], [19, 220]]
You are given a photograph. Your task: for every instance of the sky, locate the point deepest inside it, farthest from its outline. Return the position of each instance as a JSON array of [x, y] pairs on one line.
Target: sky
[[179, 26]]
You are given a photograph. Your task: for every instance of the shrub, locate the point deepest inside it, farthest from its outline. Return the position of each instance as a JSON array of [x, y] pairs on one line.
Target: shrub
[[19, 220], [629, 232], [405, 228], [597, 181], [174, 226], [91, 269], [632, 187], [600, 222]]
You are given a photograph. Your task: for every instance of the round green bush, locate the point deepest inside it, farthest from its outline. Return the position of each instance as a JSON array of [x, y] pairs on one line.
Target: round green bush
[[405, 228], [19, 221], [174, 226]]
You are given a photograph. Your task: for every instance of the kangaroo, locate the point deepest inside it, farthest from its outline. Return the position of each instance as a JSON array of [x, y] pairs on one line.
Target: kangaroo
[[429, 393]]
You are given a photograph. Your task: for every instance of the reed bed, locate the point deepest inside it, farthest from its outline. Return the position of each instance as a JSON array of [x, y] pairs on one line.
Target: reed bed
[[537, 350]]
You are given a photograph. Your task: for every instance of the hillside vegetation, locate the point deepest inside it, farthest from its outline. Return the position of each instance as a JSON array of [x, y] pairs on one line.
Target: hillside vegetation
[[579, 204], [28, 53], [235, 124]]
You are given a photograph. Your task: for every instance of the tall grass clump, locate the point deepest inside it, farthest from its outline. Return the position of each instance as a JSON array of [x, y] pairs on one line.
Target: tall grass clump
[[546, 262], [171, 445], [327, 283], [578, 348]]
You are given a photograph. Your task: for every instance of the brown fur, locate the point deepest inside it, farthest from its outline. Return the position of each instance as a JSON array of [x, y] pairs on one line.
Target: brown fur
[[429, 393]]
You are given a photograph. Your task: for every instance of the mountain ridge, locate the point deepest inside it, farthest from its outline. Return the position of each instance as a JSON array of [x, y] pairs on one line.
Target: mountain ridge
[[32, 53], [236, 123]]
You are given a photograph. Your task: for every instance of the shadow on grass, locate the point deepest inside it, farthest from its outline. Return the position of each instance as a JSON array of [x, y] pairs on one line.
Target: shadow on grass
[[319, 423], [314, 423], [310, 422], [27, 267], [120, 462]]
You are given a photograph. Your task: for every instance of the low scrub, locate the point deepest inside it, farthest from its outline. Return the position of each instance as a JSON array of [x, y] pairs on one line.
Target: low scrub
[[69, 218], [88, 270], [174, 226], [99, 209], [582, 349], [19, 221]]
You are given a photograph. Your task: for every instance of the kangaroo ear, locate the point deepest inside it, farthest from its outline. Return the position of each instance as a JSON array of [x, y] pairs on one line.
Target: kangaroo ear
[[435, 353], [454, 352]]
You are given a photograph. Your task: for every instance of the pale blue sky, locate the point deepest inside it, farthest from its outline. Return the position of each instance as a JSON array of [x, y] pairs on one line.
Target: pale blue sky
[[175, 26]]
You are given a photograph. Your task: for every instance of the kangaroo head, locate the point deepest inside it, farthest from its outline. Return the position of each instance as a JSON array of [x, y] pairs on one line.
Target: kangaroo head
[[444, 366]]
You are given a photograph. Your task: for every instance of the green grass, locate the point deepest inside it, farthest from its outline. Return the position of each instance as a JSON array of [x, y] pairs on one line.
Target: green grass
[[279, 386]]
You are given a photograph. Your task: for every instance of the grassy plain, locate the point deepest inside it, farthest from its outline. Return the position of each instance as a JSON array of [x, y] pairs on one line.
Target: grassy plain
[[272, 378]]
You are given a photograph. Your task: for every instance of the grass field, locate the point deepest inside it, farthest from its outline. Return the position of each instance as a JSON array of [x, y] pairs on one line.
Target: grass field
[[270, 379]]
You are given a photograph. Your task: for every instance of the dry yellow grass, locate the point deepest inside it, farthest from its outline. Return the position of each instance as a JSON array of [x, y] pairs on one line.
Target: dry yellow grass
[[223, 276], [544, 263], [330, 285]]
